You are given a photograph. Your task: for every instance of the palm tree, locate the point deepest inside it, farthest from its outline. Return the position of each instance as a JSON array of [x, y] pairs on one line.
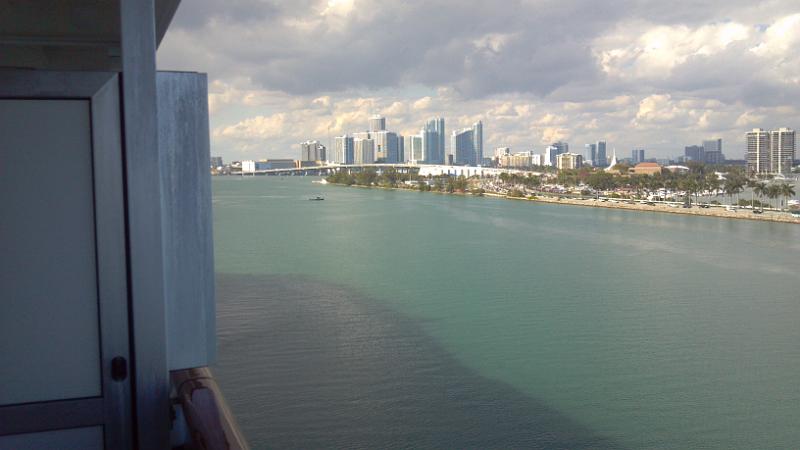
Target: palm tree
[[773, 191], [730, 188], [786, 190], [690, 186], [760, 189], [751, 183], [712, 183]]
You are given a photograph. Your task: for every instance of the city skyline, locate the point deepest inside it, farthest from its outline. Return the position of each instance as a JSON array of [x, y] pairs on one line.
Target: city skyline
[[639, 74]]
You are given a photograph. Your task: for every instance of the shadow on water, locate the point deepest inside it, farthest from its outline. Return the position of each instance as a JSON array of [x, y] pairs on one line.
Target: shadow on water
[[308, 364]]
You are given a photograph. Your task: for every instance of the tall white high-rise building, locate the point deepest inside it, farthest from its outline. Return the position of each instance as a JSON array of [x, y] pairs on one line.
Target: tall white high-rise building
[[781, 150], [377, 123], [757, 152], [363, 151], [343, 149], [413, 149]]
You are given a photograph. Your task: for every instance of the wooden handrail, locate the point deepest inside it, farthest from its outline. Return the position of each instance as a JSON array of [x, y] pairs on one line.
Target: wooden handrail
[[210, 422]]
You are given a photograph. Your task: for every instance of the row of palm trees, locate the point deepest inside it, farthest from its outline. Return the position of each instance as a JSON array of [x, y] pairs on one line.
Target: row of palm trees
[[771, 191], [696, 183]]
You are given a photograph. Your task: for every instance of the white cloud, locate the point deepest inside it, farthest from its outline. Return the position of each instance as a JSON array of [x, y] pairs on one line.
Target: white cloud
[[423, 103], [639, 73], [645, 50], [258, 127], [553, 134]]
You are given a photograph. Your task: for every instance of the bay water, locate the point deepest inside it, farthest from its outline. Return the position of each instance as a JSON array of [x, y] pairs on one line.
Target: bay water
[[399, 319]]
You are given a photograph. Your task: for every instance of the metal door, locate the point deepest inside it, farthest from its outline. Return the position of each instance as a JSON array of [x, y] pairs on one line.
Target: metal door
[[64, 350]]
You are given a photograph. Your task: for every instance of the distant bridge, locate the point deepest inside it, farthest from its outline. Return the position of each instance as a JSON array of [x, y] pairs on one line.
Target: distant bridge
[[422, 169], [329, 169]]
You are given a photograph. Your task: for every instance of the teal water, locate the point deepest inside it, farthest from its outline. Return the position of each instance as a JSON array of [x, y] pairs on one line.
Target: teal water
[[603, 328]]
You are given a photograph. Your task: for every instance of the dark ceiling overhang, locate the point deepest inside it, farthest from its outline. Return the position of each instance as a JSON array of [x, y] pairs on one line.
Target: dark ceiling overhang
[[68, 34]]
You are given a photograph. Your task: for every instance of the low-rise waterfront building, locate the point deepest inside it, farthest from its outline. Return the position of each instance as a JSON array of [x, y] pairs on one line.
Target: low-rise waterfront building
[[646, 168], [569, 161], [522, 160]]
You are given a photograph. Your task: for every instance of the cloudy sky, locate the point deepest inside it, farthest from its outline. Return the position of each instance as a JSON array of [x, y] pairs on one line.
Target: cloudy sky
[[646, 74]]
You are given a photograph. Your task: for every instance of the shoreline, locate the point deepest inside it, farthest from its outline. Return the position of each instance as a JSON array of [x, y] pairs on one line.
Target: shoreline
[[718, 212]]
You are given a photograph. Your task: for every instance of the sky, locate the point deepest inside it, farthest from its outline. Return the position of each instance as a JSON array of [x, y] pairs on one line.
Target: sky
[[657, 75]]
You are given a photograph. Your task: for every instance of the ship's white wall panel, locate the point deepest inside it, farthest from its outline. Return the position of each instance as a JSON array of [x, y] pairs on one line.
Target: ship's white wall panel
[[49, 330], [183, 140]]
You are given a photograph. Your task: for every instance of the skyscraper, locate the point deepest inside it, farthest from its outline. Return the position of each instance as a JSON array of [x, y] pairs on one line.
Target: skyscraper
[[363, 151], [590, 153], [413, 148], [312, 151], [386, 148], [601, 160], [694, 153], [552, 151], [433, 141], [550, 154], [781, 150], [477, 142], [343, 149], [712, 152], [401, 149], [757, 153], [462, 147], [466, 145], [377, 123], [637, 155]]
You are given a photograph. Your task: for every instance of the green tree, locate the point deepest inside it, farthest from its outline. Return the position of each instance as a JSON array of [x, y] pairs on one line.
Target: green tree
[[786, 190], [760, 189], [773, 191], [712, 183], [366, 177], [601, 181]]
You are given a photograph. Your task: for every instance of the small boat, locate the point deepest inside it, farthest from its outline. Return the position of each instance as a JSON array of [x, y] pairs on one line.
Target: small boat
[[317, 198]]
